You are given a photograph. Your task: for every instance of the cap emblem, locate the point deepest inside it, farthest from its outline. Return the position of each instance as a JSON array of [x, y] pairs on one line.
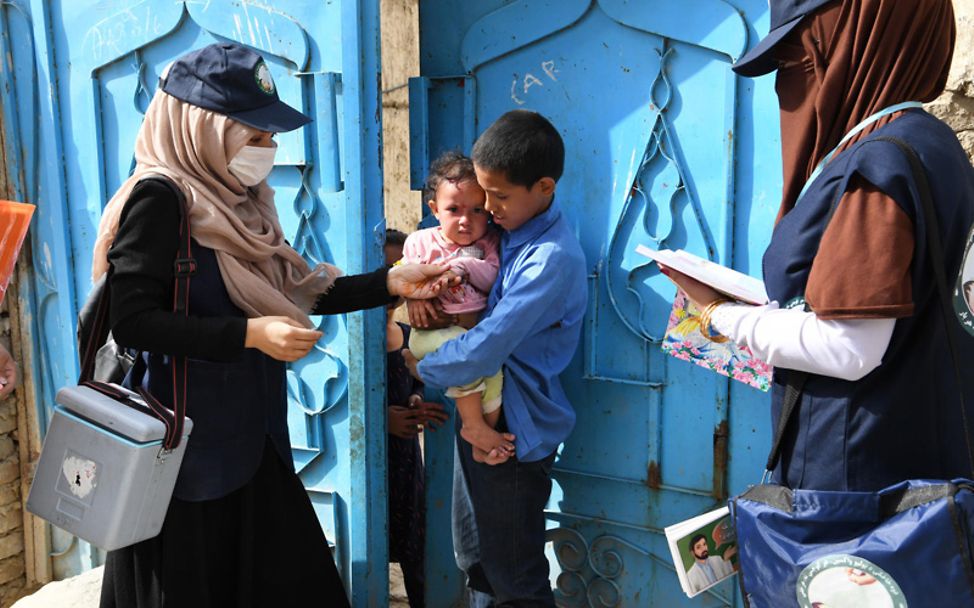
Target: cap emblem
[[263, 76]]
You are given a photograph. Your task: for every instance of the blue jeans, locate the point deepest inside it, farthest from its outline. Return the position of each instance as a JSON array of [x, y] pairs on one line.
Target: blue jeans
[[499, 529]]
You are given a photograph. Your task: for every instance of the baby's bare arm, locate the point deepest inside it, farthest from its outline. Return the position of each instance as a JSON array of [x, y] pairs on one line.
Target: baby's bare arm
[[479, 273]]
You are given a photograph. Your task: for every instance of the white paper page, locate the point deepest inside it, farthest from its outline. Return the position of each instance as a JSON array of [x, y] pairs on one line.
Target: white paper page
[[725, 280]]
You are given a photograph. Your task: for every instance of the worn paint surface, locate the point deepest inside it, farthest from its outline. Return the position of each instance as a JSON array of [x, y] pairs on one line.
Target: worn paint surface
[[665, 147], [80, 74]]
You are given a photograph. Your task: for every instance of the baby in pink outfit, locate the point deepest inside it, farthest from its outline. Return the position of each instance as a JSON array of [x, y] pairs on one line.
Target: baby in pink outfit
[[469, 247], [476, 263]]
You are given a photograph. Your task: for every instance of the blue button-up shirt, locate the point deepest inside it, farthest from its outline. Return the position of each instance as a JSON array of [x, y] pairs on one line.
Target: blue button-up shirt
[[530, 327]]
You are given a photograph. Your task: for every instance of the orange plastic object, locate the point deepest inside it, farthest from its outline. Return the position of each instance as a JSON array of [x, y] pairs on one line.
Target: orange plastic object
[[14, 220]]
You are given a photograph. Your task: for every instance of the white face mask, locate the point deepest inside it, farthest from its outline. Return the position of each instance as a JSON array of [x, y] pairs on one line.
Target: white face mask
[[252, 164]]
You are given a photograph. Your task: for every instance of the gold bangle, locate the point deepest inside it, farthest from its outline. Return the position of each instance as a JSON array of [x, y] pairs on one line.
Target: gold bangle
[[705, 328]]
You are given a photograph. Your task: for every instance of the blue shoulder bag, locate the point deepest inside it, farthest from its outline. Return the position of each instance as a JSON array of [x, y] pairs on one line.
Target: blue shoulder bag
[[908, 545]]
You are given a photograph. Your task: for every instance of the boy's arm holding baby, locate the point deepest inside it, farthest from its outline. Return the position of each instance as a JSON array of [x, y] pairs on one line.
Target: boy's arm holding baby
[[526, 308]]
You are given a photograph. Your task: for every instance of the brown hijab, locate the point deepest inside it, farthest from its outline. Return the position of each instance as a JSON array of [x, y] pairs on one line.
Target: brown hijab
[[847, 61], [192, 147]]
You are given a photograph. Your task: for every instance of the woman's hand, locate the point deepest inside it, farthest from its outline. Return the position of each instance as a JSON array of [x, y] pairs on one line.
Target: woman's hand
[[700, 295], [419, 281], [8, 373], [428, 314], [404, 422], [282, 338]]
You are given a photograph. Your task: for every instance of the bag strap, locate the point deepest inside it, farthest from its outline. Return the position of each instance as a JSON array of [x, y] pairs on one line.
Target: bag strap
[[793, 392], [184, 266], [98, 334], [796, 379]]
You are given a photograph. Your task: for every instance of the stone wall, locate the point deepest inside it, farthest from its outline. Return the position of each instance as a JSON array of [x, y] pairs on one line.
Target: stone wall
[[13, 579], [956, 105], [400, 61], [12, 565]]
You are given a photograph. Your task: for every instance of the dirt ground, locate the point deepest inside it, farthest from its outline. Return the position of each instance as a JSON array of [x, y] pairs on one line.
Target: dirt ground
[[82, 591]]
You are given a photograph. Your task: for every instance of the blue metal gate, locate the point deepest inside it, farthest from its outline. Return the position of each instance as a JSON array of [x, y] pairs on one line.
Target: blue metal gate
[[664, 147], [76, 79]]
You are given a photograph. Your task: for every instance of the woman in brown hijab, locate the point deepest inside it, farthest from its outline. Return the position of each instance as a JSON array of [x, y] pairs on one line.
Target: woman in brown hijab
[[855, 307], [240, 530]]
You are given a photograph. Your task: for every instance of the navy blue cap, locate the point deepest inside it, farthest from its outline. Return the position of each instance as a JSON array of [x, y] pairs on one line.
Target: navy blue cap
[[785, 15], [233, 80]]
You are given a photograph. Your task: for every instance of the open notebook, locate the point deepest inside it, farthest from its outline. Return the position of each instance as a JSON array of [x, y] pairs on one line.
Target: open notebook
[[684, 341], [683, 338], [726, 280]]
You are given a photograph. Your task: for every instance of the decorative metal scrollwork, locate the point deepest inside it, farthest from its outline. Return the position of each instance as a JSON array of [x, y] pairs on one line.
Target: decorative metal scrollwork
[[650, 214], [604, 557], [604, 593], [143, 92], [327, 365], [571, 590], [590, 571]]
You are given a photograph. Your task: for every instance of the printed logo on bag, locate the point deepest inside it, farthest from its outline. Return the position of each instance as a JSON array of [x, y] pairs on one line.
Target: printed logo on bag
[[263, 76], [964, 289], [847, 581]]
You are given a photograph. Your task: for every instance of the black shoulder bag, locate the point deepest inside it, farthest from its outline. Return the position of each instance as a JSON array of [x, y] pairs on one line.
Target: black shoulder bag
[[104, 363]]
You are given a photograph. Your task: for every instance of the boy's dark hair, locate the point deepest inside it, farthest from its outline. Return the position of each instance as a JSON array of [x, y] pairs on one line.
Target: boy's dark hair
[[524, 146], [696, 539], [395, 237], [452, 166]]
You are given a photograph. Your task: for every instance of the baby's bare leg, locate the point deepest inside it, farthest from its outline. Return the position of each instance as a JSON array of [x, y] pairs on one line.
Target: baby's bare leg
[[476, 429], [493, 457], [492, 418]]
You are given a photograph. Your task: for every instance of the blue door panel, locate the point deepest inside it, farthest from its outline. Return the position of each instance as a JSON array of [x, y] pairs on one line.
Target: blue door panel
[[665, 147], [83, 75]]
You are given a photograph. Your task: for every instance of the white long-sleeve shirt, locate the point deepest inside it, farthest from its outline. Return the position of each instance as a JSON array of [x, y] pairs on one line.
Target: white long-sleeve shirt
[[796, 339]]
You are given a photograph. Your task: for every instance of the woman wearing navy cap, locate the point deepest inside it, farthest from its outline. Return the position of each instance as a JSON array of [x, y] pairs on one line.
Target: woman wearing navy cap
[[240, 530], [855, 302]]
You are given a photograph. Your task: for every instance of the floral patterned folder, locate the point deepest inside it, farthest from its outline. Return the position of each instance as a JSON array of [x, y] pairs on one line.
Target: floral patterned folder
[[684, 341]]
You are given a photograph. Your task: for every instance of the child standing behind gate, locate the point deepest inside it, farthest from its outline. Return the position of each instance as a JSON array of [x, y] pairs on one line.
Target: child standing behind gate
[[466, 244]]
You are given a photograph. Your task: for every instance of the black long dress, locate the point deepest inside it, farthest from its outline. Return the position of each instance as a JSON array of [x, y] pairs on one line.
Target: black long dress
[[407, 501], [260, 545]]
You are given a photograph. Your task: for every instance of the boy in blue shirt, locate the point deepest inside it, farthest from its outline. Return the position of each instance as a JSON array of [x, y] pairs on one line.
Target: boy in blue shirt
[[531, 328]]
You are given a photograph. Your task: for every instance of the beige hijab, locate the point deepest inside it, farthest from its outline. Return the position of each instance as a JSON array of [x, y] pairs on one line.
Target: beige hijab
[[192, 147]]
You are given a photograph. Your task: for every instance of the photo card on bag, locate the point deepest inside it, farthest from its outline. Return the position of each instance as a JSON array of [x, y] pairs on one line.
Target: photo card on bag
[[704, 550]]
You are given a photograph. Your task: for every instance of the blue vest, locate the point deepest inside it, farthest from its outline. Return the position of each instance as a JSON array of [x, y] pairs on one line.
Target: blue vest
[[234, 406], [902, 421]]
